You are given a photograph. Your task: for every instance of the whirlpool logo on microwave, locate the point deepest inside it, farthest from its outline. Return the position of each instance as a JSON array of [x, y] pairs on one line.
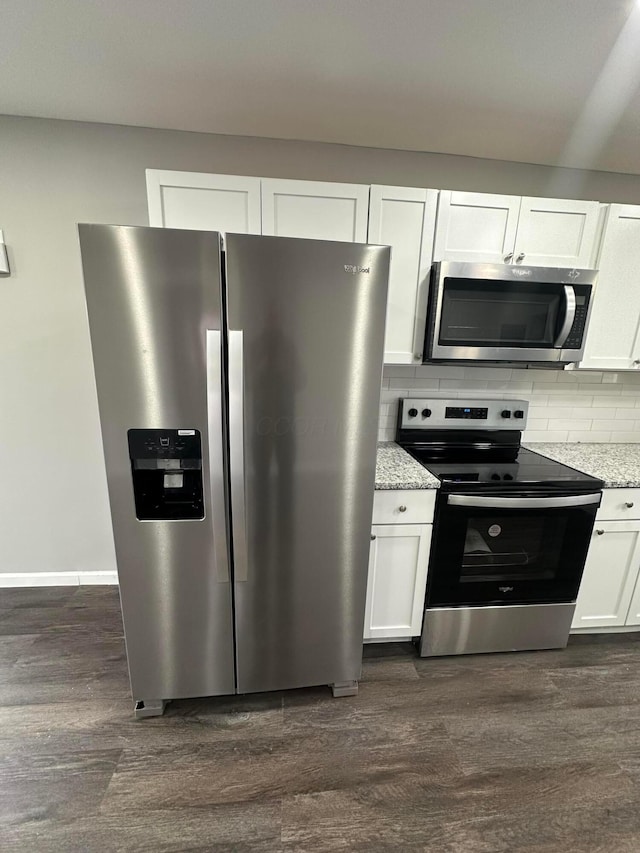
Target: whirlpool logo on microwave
[[354, 269]]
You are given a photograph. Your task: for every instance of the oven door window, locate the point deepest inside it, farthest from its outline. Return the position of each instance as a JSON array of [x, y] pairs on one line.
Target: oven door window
[[502, 556], [500, 313], [506, 548]]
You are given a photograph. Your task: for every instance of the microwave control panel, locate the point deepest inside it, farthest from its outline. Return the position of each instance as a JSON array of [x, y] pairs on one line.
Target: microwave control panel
[[433, 413], [576, 335]]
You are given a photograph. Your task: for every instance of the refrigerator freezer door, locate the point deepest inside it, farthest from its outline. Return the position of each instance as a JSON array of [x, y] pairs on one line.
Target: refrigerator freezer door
[[154, 301], [306, 332]]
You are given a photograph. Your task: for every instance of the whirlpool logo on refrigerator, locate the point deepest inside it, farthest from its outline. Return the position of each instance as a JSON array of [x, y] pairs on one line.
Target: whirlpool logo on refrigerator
[[354, 269]]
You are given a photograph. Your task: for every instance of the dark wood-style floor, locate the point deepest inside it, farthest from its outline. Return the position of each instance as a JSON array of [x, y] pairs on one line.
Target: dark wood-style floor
[[525, 752]]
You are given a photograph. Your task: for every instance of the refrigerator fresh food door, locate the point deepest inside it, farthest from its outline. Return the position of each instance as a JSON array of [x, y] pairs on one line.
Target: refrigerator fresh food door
[[154, 301], [306, 333]]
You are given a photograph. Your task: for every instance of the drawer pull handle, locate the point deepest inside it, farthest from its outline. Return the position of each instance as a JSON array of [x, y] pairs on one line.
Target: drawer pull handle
[[402, 509], [629, 504], [599, 532], [373, 536]]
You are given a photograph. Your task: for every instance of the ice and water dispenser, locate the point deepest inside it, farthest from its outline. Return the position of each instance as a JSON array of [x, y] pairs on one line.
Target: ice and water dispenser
[[166, 466]]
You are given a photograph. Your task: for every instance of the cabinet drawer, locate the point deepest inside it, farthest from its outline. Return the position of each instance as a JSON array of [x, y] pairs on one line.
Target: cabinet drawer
[[411, 506], [619, 505]]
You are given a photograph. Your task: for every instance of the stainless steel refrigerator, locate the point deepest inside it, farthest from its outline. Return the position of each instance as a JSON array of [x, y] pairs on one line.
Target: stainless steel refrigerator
[[238, 396]]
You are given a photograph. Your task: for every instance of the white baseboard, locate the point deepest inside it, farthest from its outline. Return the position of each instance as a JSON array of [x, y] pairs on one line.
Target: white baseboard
[[615, 629], [57, 578]]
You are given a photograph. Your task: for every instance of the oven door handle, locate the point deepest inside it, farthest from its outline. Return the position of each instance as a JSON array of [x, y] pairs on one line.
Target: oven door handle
[[569, 316], [523, 503]]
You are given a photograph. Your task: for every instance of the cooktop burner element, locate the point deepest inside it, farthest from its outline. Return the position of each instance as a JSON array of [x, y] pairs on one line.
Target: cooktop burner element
[[528, 467]]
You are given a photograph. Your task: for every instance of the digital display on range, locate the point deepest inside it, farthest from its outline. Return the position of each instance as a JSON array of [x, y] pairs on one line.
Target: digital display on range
[[466, 413]]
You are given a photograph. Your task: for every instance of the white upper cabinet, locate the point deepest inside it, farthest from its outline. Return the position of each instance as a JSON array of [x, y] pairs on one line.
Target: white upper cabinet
[[315, 210], [204, 202], [486, 228], [556, 233], [613, 336], [478, 227], [404, 218]]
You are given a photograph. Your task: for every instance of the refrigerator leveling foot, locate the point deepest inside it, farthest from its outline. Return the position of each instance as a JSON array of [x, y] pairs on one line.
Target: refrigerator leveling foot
[[344, 688], [149, 708]]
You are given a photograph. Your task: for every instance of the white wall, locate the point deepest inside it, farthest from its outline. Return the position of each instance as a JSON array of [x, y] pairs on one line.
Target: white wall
[[53, 499]]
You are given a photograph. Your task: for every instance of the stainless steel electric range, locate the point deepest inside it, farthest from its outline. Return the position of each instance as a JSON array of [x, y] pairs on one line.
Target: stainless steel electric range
[[511, 528]]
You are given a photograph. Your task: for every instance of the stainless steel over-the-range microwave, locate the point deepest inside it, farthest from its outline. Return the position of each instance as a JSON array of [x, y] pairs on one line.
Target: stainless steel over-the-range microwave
[[503, 312]]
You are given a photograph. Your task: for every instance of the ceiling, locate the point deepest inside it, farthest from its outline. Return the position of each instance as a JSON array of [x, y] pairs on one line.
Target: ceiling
[[540, 81]]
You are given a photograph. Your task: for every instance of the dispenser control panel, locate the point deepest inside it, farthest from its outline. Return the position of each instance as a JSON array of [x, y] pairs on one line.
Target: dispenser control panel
[[166, 467]]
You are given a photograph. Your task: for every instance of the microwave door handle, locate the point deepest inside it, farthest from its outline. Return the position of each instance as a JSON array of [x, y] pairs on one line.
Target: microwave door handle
[[523, 503], [569, 316]]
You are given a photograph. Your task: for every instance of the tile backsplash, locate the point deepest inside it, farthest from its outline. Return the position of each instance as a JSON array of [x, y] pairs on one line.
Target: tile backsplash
[[564, 405]]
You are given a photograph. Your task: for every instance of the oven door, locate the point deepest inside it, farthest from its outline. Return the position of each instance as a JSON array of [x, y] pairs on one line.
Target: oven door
[[509, 550], [505, 313]]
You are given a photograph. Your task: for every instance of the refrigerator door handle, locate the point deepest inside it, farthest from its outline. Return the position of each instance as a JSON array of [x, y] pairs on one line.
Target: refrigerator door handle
[[236, 455], [216, 454]]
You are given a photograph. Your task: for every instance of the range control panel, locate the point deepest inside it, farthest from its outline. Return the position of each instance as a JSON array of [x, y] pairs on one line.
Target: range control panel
[[467, 413], [435, 413]]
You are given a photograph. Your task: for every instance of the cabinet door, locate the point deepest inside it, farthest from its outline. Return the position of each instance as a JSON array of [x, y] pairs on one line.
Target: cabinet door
[[315, 210], [633, 615], [398, 564], [404, 218], [477, 227], [613, 341], [204, 202], [609, 575], [557, 233]]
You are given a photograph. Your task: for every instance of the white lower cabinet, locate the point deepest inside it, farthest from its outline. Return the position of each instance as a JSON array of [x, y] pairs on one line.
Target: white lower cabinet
[[608, 596], [398, 564], [633, 614]]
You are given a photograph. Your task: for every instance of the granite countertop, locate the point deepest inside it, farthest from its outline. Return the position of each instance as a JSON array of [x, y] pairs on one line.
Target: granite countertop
[[617, 465], [395, 469]]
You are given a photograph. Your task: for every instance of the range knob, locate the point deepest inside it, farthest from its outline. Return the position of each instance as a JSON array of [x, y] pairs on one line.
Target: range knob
[[495, 476], [508, 476], [426, 413], [412, 413], [506, 413], [518, 413]]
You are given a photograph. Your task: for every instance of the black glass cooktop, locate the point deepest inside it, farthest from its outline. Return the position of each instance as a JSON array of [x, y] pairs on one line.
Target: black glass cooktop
[[524, 468]]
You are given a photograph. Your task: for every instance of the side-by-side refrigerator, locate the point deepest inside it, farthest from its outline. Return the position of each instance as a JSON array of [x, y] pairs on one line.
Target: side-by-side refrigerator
[[238, 394]]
